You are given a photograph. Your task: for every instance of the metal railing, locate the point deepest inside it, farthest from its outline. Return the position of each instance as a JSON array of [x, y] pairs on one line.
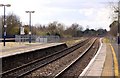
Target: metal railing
[[34, 38]]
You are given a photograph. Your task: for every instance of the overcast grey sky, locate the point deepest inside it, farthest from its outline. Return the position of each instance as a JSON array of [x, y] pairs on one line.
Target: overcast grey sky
[[94, 13]]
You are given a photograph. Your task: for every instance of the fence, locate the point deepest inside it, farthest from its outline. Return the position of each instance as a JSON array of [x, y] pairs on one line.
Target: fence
[[34, 38]]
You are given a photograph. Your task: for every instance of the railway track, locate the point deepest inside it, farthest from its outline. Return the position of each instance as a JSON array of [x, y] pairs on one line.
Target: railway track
[[50, 70], [31, 66], [74, 69]]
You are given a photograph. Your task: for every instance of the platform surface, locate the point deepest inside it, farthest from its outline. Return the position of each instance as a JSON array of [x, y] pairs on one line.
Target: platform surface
[[18, 49], [108, 69], [102, 65]]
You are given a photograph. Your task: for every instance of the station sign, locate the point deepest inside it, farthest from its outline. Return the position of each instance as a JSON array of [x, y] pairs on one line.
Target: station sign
[[22, 30]]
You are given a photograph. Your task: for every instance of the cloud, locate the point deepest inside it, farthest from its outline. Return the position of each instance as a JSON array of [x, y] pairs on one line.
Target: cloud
[[87, 11], [93, 13], [95, 18], [103, 14]]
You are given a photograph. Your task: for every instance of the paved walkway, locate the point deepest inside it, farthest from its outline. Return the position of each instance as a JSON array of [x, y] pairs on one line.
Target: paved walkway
[[108, 65], [117, 50], [102, 65]]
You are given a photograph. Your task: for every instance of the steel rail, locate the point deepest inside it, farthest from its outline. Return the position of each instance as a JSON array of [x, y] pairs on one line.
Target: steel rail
[[74, 61]]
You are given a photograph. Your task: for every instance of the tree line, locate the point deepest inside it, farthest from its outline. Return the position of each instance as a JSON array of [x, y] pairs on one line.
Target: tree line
[[54, 28]]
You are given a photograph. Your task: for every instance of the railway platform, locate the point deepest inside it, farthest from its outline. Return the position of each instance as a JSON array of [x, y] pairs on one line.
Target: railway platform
[[9, 51], [104, 64]]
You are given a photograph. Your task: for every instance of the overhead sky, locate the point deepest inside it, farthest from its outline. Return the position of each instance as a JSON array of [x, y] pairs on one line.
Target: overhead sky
[[88, 13]]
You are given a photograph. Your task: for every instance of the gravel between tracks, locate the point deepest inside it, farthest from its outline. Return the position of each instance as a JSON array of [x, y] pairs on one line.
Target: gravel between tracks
[[53, 67], [76, 69]]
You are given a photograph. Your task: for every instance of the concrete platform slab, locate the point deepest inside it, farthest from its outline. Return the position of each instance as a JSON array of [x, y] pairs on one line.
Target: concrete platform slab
[[24, 49], [108, 69], [96, 65], [97, 73], [102, 63]]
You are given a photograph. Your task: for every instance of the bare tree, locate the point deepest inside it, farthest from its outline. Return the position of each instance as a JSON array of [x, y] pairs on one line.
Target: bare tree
[[114, 29]]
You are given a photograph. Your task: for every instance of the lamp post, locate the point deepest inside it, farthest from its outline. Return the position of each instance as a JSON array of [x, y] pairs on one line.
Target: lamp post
[[30, 24], [118, 34], [4, 26], [119, 22]]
